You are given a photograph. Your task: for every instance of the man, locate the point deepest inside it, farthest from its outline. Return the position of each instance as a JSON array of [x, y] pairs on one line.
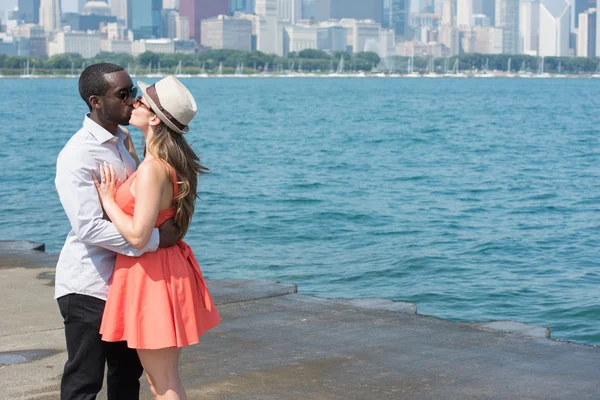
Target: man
[[87, 259]]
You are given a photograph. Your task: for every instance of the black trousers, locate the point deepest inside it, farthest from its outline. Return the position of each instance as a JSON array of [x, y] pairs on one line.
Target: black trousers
[[88, 354]]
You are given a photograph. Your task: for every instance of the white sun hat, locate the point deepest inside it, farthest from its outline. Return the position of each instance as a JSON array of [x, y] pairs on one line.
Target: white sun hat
[[171, 101]]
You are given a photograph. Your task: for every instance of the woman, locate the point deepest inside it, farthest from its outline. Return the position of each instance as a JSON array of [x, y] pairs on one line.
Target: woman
[[158, 302]]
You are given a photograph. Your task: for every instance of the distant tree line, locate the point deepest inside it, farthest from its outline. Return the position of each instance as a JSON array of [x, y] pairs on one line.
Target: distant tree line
[[307, 60], [208, 61]]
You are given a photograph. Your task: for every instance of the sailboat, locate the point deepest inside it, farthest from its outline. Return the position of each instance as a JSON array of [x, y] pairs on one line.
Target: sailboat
[[239, 71], [178, 72], [541, 73], [559, 73], [597, 73], [340, 69], [410, 73], [26, 73], [220, 70], [202, 73], [72, 74], [523, 73], [455, 73], [485, 71], [431, 69], [509, 73]]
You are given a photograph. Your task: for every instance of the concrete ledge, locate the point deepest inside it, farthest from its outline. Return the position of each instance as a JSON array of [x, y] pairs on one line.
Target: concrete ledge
[[234, 291], [518, 328], [378, 303], [274, 343]]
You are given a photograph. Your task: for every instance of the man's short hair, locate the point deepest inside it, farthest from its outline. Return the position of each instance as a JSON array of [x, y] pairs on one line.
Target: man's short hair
[[92, 80]]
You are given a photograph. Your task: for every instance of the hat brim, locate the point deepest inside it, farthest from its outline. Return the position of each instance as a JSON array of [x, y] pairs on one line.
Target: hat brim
[[143, 87]]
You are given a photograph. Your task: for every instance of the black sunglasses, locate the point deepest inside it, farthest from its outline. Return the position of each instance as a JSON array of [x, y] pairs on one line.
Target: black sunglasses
[[125, 94]]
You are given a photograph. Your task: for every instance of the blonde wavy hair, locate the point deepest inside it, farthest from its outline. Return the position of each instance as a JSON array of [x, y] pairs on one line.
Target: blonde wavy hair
[[173, 148]]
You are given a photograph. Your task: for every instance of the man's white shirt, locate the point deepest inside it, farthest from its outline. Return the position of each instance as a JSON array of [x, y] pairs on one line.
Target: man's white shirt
[[87, 259]]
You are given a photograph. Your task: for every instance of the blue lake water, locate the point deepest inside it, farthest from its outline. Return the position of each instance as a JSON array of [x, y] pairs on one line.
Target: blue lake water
[[476, 199]]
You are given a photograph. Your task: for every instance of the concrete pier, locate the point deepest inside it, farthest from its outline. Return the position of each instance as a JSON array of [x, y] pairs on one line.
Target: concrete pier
[[277, 344]]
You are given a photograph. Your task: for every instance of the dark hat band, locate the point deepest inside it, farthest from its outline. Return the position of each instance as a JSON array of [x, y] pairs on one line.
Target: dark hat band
[[151, 91]]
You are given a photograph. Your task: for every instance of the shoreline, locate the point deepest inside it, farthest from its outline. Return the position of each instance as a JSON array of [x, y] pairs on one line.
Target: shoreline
[[336, 76], [11, 249], [274, 343]]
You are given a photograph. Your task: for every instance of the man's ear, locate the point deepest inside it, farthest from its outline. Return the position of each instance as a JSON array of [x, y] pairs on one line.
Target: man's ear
[[95, 101]]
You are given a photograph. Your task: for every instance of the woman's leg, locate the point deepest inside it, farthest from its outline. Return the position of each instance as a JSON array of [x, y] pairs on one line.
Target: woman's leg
[[162, 369]]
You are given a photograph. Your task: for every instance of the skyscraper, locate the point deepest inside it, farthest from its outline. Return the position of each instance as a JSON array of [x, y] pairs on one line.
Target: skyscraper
[[586, 36], [266, 8], [507, 18], [246, 6], [144, 21], [269, 32], [197, 10], [50, 15], [29, 11], [308, 9], [579, 7], [119, 9], [464, 14], [395, 16], [171, 4], [529, 27], [555, 22], [448, 31], [486, 7], [289, 10], [358, 9]]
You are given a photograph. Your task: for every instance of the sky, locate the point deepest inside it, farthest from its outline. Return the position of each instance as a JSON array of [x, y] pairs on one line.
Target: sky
[[67, 5]]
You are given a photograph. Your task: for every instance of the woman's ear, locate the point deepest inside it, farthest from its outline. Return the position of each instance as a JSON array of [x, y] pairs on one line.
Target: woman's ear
[[154, 121]]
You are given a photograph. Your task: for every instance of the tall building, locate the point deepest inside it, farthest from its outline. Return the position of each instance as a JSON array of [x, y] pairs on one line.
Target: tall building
[[331, 38], [80, 5], [529, 27], [169, 24], [448, 32], [289, 10], [579, 6], [269, 32], [144, 21], [357, 9], [171, 4], [245, 6], [197, 10], [225, 32], [50, 15], [586, 34], [300, 37], [360, 34], [266, 8], [555, 22], [29, 11], [119, 9], [308, 9], [36, 38], [395, 16], [182, 28], [488, 40], [507, 18], [464, 14], [486, 7], [86, 44]]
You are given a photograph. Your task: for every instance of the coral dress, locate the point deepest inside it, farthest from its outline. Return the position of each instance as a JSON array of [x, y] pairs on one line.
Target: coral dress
[[159, 299]]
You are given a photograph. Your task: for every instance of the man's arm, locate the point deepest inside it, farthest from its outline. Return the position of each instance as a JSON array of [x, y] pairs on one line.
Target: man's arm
[[80, 201]]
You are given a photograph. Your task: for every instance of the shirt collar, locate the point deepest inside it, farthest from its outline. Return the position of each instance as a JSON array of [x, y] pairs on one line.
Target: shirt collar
[[101, 134]]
